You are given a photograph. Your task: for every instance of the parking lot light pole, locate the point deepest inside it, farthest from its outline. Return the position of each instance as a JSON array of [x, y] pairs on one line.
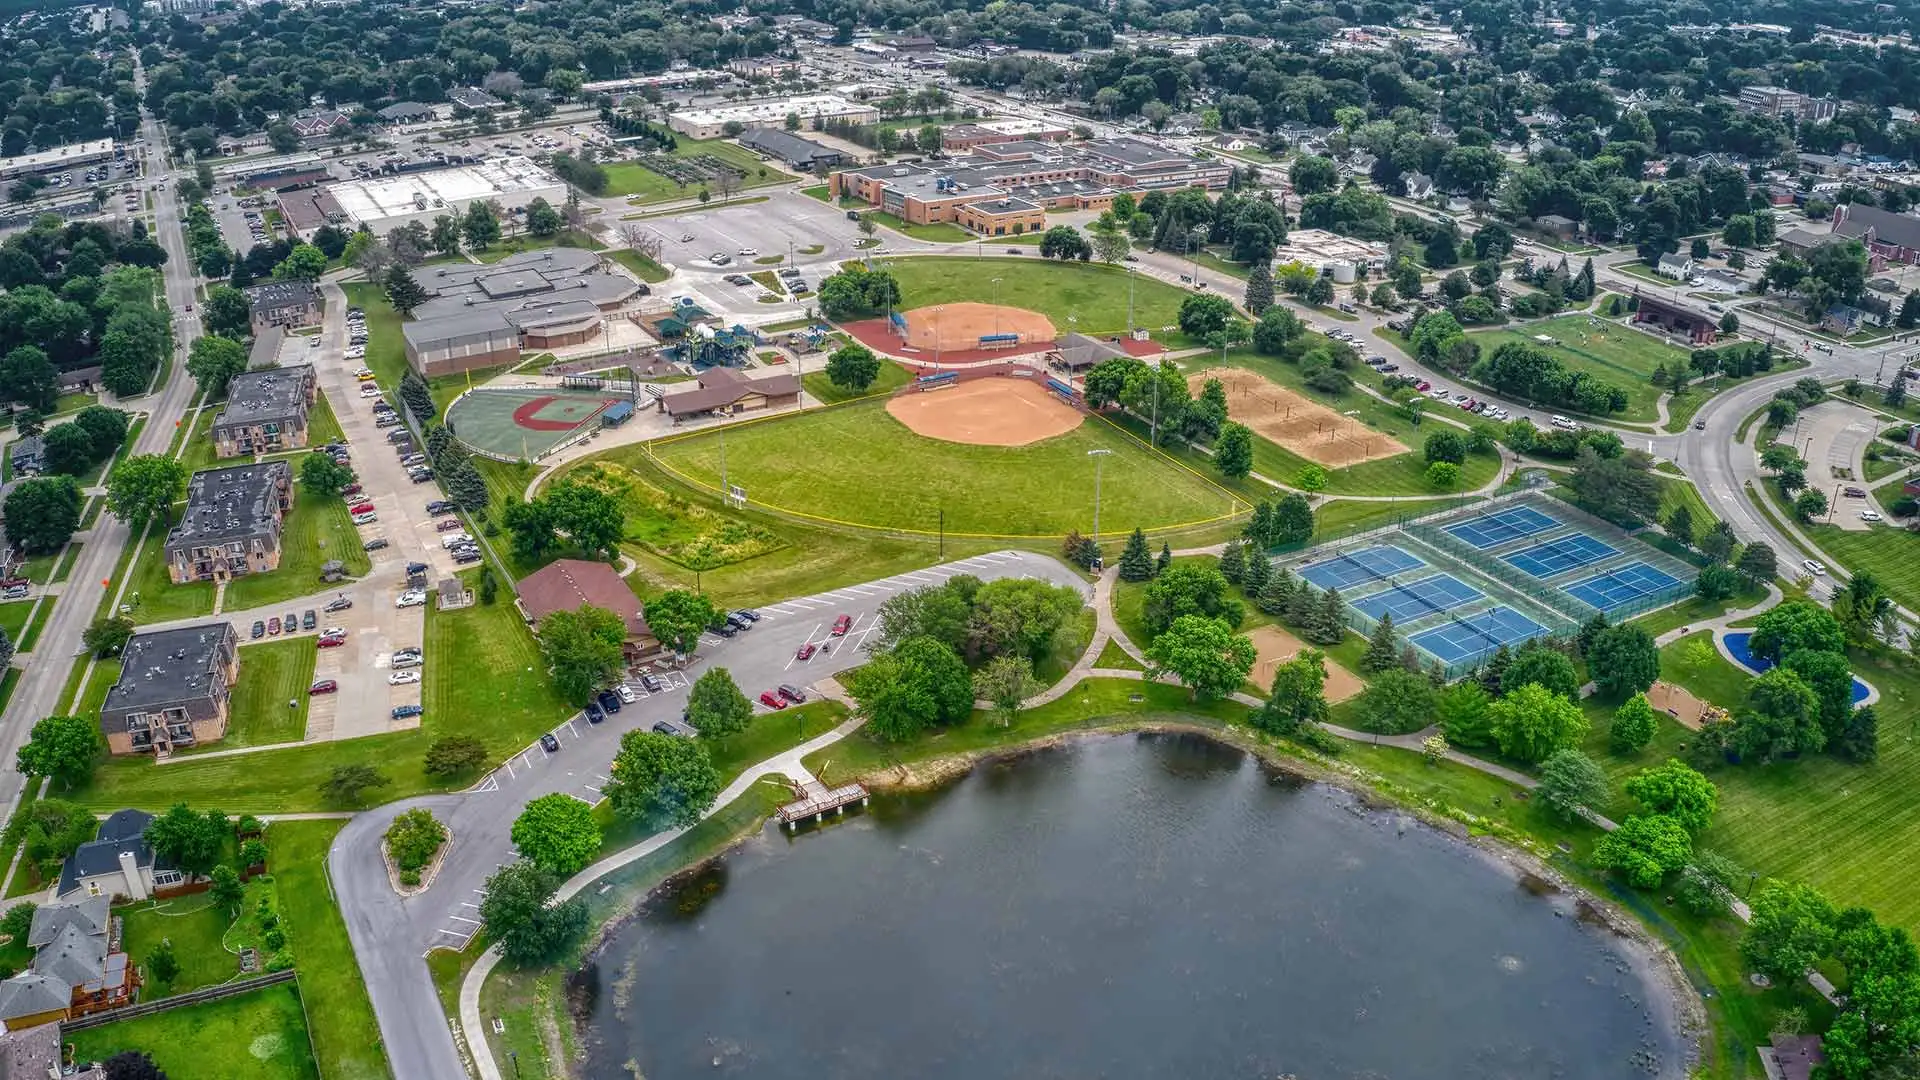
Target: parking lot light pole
[[1098, 457]]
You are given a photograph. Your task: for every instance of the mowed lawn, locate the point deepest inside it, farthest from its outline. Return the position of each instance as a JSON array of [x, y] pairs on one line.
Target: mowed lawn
[[386, 349], [317, 528], [858, 465], [271, 675], [1095, 295], [1624, 357], [647, 186], [1890, 554], [260, 1035], [346, 1038]]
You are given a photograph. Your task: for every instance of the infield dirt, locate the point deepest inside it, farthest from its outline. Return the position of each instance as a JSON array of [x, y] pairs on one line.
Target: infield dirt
[[1299, 424]]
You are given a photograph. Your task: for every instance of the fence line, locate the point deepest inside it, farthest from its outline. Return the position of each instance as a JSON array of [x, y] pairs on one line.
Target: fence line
[[181, 1001]]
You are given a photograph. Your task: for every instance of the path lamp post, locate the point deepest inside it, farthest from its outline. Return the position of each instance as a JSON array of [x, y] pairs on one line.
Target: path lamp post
[[1098, 457]]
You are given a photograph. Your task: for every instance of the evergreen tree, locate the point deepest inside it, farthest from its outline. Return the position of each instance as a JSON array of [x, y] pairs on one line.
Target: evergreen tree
[[1277, 592], [1165, 560], [1259, 288], [1495, 670], [416, 395], [1233, 562], [1583, 285], [1895, 394], [1258, 572], [1590, 631], [1679, 525], [1382, 654], [1136, 562], [1301, 606], [1327, 628], [1909, 316]]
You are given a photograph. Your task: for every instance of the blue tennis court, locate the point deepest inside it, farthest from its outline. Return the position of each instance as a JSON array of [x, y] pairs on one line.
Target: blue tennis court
[[1492, 530], [1460, 639], [1559, 556], [1366, 564], [1412, 599], [1621, 585]]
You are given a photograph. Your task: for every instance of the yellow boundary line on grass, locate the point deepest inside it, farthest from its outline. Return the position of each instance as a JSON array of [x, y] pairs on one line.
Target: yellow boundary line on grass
[[1233, 500]]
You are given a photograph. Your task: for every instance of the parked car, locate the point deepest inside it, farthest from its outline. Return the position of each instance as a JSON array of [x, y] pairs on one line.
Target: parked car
[[594, 713], [1856, 493], [841, 625], [440, 506], [328, 641], [360, 508], [350, 489], [1870, 515], [309, 620], [609, 701], [627, 696], [365, 517], [805, 652], [465, 557], [739, 621], [338, 603], [273, 626], [650, 683], [723, 628], [771, 700], [411, 598], [446, 524], [550, 744], [792, 693], [405, 660], [291, 622], [403, 712], [374, 544], [323, 686], [417, 568], [402, 678], [259, 629], [420, 476], [748, 614]]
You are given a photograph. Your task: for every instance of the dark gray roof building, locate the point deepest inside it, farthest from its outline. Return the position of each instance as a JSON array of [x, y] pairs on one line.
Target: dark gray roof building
[[173, 688], [802, 154], [29, 454], [404, 112], [99, 859], [232, 524], [266, 411]]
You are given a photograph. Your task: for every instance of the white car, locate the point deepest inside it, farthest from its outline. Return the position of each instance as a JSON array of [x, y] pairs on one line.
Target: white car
[[1563, 422], [334, 631], [748, 253], [365, 517], [626, 693], [405, 660], [454, 540], [1815, 568], [401, 678], [368, 390], [411, 598], [1870, 515]]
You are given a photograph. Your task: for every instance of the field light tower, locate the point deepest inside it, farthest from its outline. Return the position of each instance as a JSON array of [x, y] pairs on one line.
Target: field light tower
[[1097, 456]]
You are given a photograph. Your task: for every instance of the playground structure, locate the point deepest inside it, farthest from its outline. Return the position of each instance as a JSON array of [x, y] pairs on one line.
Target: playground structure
[[996, 409], [1679, 703], [1285, 418]]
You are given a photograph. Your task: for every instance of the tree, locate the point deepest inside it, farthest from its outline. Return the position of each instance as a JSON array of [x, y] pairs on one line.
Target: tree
[[1531, 722], [853, 367], [1292, 519], [1830, 678], [1202, 314], [62, 747], [716, 706], [1633, 726], [1277, 328], [517, 913], [1757, 563], [48, 831], [1311, 174], [1644, 849], [1791, 930], [28, 378], [1446, 446], [1233, 451], [106, 429], [591, 517], [1541, 666], [1259, 296], [190, 840], [1795, 625], [417, 396], [1859, 737], [480, 226], [1909, 316], [1677, 791], [454, 755], [213, 361], [403, 292], [542, 219], [1780, 716], [1620, 488], [347, 783], [1136, 560], [920, 683], [1809, 504], [557, 833], [1005, 683], [1319, 291], [1298, 696], [583, 649], [1716, 582], [103, 638], [1189, 588], [677, 618], [1395, 702], [304, 263], [1462, 711], [41, 514], [1064, 242], [227, 889], [143, 488], [1624, 661], [663, 780], [226, 312], [1383, 648], [1571, 782], [1204, 654], [319, 473], [68, 449], [1679, 525]]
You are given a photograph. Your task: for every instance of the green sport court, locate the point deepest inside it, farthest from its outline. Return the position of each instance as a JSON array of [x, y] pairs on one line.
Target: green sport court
[[524, 422]]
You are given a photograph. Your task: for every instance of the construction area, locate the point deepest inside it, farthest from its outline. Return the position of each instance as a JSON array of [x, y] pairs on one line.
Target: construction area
[[1287, 419]]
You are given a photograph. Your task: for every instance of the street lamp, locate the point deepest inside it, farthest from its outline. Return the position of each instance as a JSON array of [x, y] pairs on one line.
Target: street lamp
[[1097, 455]]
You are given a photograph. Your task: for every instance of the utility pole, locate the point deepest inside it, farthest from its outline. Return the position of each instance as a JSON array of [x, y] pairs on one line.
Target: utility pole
[[1098, 457], [1129, 303]]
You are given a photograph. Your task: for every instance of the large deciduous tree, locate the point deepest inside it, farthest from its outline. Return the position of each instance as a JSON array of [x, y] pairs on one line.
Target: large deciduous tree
[[716, 706], [853, 367], [213, 361], [1623, 661], [558, 833], [62, 747], [191, 840], [583, 650], [677, 617], [1676, 790], [143, 488], [516, 911], [1644, 849], [1570, 782], [1204, 654], [663, 780], [918, 684], [1530, 723]]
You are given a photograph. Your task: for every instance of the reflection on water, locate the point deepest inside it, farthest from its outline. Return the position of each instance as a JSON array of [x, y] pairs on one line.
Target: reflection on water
[[1137, 906]]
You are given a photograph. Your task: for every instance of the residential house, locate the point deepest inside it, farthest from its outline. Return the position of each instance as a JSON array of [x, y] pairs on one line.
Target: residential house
[[1232, 144], [78, 967], [1792, 1057], [232, 524], [29, 454], [322, 125], [37, 1052], [173, 689], [1889, 237], [570, 584], [286, 304], [1555, 225], [266, 411], [1419, 185], [1677, 267]]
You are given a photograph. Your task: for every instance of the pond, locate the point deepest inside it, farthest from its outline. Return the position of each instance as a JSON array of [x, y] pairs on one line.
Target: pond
[[1740, 645], [1122, 906]]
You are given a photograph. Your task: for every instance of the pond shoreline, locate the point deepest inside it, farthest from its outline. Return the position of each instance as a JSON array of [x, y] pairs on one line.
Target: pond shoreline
[[1658, 968]]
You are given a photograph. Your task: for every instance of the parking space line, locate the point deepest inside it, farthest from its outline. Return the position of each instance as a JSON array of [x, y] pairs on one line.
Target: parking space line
[[463, 918]]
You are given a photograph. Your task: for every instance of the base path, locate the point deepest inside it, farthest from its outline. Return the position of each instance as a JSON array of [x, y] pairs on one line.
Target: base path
[[986, 412]]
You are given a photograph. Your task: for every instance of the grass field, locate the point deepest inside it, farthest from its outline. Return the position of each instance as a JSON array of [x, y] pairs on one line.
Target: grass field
[[646, 269], [270, 676], [346, 1038], [643, 186], [386, 349], [1095, 294], [1883, 550], [316, 529], [261, 1035], [873, 471], [1624, 358], [892, 377], [937, 231], [195, 925]]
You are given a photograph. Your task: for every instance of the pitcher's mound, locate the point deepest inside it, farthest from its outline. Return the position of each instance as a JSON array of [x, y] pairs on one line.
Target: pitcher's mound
[[986, 412]]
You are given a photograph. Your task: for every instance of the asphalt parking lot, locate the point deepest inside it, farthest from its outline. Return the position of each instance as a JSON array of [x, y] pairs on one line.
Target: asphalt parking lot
[[786, 218]]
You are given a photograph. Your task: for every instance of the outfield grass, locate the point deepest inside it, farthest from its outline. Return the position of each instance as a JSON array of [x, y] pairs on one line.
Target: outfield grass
[[1095, 294], [260, 1035], [892, 377], [873, 471], [643, 186], [644, 268], [271, 675], [1624, 358], [346, 1038]]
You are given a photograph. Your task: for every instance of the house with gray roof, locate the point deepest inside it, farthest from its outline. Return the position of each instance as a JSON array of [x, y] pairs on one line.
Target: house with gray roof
[[78, 967], [232, 524], [37, 1052], [405, 112], [29, 454], [173, 689], [266, 411]]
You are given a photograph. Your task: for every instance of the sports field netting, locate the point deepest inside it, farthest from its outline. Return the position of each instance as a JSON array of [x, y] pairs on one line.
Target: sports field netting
[[1353, 567], [1556, 557], [522, 423], [1492, 530], [1477, 636], [1411, 600], [1623, 585]]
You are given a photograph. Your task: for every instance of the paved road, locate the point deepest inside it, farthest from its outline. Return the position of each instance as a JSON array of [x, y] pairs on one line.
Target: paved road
[[391, 936]]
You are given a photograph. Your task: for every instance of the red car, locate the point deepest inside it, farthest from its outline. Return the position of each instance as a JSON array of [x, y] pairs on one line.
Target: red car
[[841, 625], [324, 686], [360, 508], [448, 525], [771, 700], [805, 652], [273, 625], [350, 489], [1424, 386], [328, 641]]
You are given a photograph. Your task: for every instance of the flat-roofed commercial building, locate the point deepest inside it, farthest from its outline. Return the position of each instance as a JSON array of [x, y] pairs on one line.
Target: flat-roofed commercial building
[[772, 112], [173, 689], [480, 315], [384, 203], [57, 158], [266, 411], [233, 522], [988, 132]]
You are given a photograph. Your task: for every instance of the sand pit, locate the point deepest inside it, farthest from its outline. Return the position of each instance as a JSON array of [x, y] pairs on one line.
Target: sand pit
[[986, 412], [1678, 703], [954, 327], [1274, 646], [1304, 426]]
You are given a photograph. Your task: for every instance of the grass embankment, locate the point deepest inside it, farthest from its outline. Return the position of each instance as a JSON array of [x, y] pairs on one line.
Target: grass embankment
[[822, 389], [1610, 352], [644, 268], [261, 1035]]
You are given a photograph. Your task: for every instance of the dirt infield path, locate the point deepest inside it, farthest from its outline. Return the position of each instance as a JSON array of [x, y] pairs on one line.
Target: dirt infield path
[[986, 412]]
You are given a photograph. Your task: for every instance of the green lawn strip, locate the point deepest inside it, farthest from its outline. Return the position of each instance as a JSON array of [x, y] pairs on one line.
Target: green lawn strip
[[1341, 517], [271, 675], [1220, 265], [386, 349], [346, 1038], [1095, 294], [31, 635], [199, 452], [983, 490], [105, 674], [1884, 550], [317, 529], [1695, 610], [66, 564], [322, 426], [260, 1035], [151, 592], [1067, 648], [1113, 656], [936, 232], [196, 926], [1883, 466], [644, 268], [13, 619], [676, 211], [892, 377], [643, 186], [15, 954], [1624, 358], [767, 280]]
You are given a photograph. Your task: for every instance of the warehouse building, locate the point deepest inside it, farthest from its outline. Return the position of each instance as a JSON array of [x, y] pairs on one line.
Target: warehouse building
[[57, 159], [812, 109], [384, 203]]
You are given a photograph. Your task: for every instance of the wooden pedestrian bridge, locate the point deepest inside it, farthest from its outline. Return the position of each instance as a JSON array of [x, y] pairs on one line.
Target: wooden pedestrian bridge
[[817, 800]]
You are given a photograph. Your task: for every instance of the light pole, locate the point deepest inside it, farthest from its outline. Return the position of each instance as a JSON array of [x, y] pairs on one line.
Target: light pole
[[1097, 455], [996, 306], [1194, 237]]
